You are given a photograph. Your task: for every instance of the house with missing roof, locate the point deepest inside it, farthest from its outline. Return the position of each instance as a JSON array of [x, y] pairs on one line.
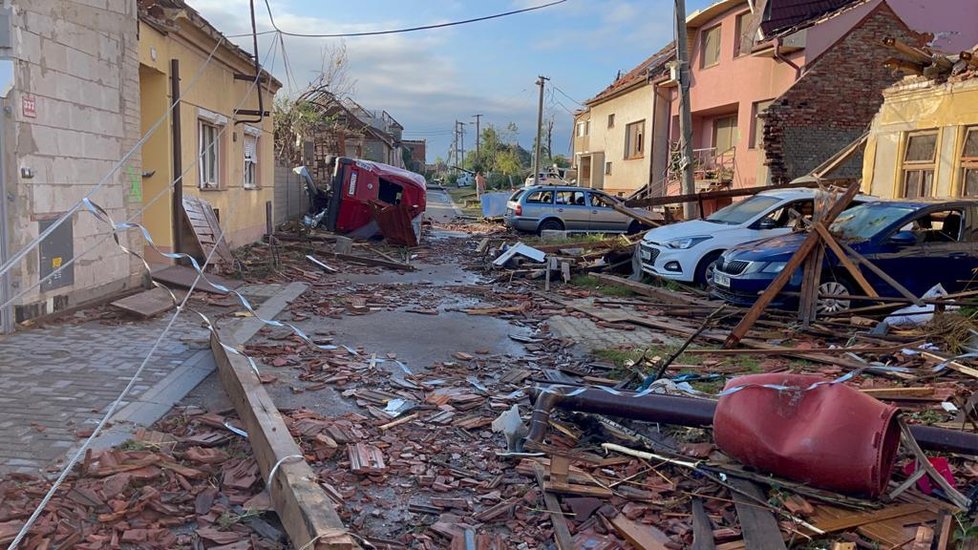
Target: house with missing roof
[[777, 87]]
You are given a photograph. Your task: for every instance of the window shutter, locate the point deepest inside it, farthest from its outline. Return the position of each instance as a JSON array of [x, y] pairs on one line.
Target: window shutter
[[250, 148]]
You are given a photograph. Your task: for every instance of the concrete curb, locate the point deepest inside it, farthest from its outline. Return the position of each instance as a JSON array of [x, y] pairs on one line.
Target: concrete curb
[[155, 402]]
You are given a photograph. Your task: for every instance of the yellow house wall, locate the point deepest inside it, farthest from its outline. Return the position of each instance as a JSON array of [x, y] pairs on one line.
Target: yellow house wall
[[948, 108], [214, 89], [626, 175]]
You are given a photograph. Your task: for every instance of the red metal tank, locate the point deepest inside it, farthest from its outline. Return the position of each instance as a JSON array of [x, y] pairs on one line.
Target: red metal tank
[[832, 436]]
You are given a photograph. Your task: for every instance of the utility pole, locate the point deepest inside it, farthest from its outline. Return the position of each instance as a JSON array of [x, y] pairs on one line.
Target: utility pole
[[461, 131], [536, 157], [458, 163], [685, 118], [477, 136]]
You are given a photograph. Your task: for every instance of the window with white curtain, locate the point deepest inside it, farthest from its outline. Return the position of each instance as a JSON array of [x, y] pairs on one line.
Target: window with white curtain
[[250, 162]]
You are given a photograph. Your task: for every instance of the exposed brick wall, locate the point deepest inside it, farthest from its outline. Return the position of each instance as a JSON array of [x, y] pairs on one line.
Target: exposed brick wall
[[834, 102]]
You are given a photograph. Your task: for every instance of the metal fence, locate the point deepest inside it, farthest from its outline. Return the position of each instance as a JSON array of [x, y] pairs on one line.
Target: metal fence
[[291, 200]]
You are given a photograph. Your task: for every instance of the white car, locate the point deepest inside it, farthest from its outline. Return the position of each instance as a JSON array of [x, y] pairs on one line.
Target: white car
[[686, 251]]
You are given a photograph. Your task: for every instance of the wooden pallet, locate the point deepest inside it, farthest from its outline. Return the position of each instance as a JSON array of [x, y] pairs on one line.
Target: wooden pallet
[[206, 229]]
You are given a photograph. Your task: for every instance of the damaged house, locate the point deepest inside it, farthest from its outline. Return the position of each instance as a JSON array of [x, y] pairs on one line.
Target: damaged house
[[809, 79]]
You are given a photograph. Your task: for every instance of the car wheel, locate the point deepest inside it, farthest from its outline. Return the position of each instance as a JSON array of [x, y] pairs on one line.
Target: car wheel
[[704, 269], [829, 304], [551, 225]]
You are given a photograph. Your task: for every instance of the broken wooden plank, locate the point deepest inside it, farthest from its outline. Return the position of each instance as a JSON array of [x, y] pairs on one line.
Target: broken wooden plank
[[758, 524], [184, 277], [640, 535], [668, 296], [562, 534], [857, 275], [307, 513], [206, 229], [831, 520], [375, 262], [702, 528], [146, 304]]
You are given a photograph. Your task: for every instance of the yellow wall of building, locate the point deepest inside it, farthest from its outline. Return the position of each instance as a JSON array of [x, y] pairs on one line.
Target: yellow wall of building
[[626, 175], [207, 91], [948, 108]]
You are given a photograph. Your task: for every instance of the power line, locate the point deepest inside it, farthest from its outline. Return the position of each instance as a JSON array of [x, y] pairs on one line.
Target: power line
[[563, 93], [409, 29]]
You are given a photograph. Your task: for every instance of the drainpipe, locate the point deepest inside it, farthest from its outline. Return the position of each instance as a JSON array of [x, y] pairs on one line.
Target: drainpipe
[[783, 59], [177, 219]]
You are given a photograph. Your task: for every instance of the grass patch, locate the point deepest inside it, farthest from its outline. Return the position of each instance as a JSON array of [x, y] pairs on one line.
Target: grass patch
[[465, 200], [592, 283]]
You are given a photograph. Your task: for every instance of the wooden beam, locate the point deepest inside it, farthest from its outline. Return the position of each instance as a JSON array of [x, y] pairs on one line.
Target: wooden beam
[[636, 215], [758, 524], [726, 193], [702, 528], [375, 262], [648, 290], [306, 512], [857, 275], [881, 274], [764, 300], [561, 532]]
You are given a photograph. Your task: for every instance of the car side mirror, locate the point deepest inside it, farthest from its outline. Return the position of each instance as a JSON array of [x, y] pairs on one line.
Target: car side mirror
[[766, 223], [904, 238]]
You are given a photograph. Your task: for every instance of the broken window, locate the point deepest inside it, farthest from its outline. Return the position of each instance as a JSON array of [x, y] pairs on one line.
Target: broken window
[[937, 227], [390, 192], [742, 37], [634, 138], [757, 122], [918, 165], [969, 163], [607, 168], [611, 120], [710, 45], [544, 197]]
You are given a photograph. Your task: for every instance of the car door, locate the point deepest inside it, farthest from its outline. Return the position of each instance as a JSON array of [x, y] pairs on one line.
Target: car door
[[603, 216], [537, 205], [933, 247], [570, 205]]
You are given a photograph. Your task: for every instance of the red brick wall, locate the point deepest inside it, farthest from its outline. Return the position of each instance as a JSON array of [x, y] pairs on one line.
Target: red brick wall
[[835, 100]]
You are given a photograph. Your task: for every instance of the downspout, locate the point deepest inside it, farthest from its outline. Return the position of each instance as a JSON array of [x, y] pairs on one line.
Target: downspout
[[785, 60], [177, 206]]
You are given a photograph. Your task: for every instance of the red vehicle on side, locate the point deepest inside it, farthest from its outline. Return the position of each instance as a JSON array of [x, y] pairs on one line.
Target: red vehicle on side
[[357, 183]]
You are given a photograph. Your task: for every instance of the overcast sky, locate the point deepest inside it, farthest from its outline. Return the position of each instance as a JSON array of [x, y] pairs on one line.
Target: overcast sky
[[428, 79]]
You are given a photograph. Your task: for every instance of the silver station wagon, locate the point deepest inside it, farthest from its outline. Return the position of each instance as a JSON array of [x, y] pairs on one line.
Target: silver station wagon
[[537, 208]]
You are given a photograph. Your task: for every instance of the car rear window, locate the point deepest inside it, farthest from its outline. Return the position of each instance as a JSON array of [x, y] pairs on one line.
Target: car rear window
[[516, 196]]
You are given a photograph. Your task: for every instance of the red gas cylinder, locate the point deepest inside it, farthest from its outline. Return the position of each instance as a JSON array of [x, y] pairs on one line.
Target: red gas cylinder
[[831, 436]]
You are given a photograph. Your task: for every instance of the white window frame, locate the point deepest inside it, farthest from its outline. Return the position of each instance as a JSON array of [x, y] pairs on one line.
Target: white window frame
[[250, 162]]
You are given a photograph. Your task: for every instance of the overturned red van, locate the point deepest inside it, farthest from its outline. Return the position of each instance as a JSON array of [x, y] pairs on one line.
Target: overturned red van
[[357, 183]]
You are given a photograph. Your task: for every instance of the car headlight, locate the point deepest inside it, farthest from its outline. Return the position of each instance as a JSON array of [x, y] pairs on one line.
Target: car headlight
[[774, 267], [687, 242]]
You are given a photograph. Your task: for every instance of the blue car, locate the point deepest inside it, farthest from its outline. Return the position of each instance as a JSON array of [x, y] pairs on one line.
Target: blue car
[[917, 242]]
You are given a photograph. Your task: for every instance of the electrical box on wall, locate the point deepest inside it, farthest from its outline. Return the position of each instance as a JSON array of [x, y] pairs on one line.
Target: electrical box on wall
[[55, 251]]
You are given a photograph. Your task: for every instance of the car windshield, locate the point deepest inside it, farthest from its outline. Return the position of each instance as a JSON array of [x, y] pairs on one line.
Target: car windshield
[[743, 211], [866, 220]]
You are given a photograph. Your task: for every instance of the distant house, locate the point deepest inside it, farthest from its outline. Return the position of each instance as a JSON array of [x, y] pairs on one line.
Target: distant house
[[924, 141], [775, 90], [224, 147], [614, 134], [416, 149], [350, 130]]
